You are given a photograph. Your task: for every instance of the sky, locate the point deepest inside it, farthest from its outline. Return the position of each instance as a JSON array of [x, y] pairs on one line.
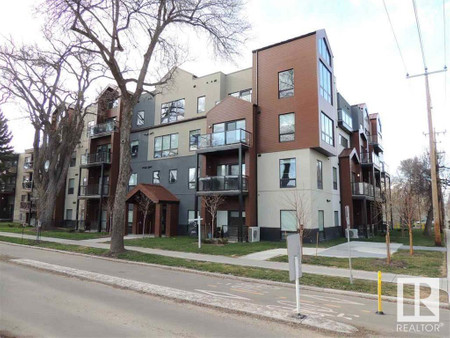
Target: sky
[[368, 65]]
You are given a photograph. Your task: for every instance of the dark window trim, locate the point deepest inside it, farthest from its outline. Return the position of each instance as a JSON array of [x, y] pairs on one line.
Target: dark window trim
[[335, 183], [169, 176], [290, 179], [293, 85], [279, 128], [161, 151], [319, 182], [159, 176]]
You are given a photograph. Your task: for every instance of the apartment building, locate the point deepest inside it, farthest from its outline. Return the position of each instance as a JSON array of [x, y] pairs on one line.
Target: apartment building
[[24, 204], [8, 188]]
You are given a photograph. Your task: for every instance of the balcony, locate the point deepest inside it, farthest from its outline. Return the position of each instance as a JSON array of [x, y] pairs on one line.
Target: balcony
[[28, 165], [370, 158], [362, 189], [384, 168], [223, 140], [378, 195], [90, 160], [27, 185], [376, 142], [224, 185], [27, 205], [93, 191], [345, 120], [102, 129], [7, 188]]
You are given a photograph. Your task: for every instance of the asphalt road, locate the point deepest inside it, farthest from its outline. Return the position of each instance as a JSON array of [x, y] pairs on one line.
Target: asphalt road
[[40, 303]]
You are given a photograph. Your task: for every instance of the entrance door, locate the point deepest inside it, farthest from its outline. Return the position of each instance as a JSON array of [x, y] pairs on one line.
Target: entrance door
[[234, 223]]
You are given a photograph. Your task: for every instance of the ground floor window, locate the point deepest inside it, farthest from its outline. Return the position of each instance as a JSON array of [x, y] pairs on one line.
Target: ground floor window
[[69, 214], [321, 223], [288, 222], [336, 218]]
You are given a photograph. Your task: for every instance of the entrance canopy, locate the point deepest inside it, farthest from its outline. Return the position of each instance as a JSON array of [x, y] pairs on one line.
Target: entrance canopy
[[156, 193]]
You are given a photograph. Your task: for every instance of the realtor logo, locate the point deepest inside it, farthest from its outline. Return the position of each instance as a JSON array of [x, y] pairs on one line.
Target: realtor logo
[[427, 314]]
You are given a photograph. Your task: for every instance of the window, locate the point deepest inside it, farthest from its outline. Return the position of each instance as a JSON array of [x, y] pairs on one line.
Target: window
[[243, 95], [73, 159], [324, 52], [327, 129], [228, 133], [191, 215], [132, 182], [140, 118], [319, 175], [379, 126], [201, 101], [325, 82], [156, 177], [166, 145], [173, 175], [346, 118], [287, 127], [68, 214], [343, 141], [113, 104], [336, 218], [288, 220], [321, 220], [286, 83], [71, 187], [134, 148], [335, 179], [288, 176], [193, 139], [172, 111], [192, 178]]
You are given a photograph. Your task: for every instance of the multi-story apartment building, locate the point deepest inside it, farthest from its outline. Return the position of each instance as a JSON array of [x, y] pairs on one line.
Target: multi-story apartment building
[[8, 188], [25, 206]]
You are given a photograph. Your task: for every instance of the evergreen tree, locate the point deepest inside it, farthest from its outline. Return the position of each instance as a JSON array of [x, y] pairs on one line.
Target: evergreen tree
[[6, 149]]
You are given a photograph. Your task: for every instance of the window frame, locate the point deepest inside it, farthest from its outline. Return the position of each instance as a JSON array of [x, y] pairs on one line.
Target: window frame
[[284, 134], [158, 178], [321, 212], [71, 190], [335, 179], [346, 141], [325, 79], [337, 220], [168, 115], [194, 147], [324, 51], [289, 179], [171, 151], [140, 118], [135, 180], [194, 182], [176, 175], [288, 89], [281, 218], [325, 127], [198, 104], [319, 173], [73, 159], [134, 143]]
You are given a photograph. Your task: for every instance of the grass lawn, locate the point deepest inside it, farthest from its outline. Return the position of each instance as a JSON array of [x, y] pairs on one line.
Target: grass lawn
[[62, 233], [396, 237], [389, 289], [190, 244], [422, 263]]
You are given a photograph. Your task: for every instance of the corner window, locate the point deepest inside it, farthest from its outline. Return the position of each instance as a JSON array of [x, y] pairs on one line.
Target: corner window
[[288, 175], [325, 82], [286, 83], [140, 118], [192, 178], [156, 178], [173, 175], [201, 101], [172, 111], [288, 221], [319, 175], [335, 179], [193, 139], [166, 146], [134, 148], [287, 127], [327, 129], [71, 187], [324, 51]]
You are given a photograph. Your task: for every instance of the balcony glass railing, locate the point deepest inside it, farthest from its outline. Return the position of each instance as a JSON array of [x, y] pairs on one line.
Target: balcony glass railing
[[377, 192], [362, 189], [369, 158], [221, 183], [102, 129], [376, 160], [224, 138], [346, 119], [94, 190], [97, 158], [376, 139], [27, 184]]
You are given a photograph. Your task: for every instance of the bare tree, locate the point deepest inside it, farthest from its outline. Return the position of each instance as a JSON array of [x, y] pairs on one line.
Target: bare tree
[[300, 205], [212, 204], [144, 34], [406, 207], [50, 86], [143, 203]]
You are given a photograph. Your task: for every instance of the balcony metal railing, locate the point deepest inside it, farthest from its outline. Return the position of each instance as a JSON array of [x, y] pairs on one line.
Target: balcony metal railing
[[94, 190], [27, 184], [7, 187], [97, 158], [28, 165], [377, 192], [384, 167], [369, 158], [224, 138], [102, 129], [221, 183], [362, 189]]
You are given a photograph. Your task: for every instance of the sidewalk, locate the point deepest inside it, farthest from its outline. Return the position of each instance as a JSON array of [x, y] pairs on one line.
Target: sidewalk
[[306, 268]]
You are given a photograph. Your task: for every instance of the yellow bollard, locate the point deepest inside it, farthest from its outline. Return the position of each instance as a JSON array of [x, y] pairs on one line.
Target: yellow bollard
[[380, 308]]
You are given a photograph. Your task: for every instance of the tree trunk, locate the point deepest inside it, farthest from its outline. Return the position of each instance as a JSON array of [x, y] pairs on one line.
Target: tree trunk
[[411, 250], [118, 226], [427, 229], [388, 245], [46, 206]]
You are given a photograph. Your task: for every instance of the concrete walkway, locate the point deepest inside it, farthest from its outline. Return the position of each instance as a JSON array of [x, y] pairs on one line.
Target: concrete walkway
[[306, 268], [272, 253]]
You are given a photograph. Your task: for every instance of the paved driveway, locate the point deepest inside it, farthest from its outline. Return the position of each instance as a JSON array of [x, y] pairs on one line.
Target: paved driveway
[[360, 249]]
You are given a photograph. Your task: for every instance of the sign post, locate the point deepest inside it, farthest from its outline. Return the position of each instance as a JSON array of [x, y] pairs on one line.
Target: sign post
[[295, 267], [347, 221], [199, 229]]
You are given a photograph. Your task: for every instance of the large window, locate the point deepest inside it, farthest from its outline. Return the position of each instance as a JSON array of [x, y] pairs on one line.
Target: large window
[[288, 175], [327, 130], [346, 118], [166, 145], [192, 178], [193, 139], [324, 51], [134, 148], [201, 103], [172, 111], [325, 82], [71, 186], [319, 175], [156, 177], [287, 127], [343, 141], [173, 175], [288, 221], [140, 118], [243, 94], [335, 178], [286, 83]]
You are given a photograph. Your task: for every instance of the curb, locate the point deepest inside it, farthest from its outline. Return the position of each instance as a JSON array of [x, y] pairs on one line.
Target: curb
[[245, 279]]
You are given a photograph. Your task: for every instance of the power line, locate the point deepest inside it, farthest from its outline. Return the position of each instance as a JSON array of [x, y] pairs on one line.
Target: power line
[[445, 34], [420, 34], [395, 37]]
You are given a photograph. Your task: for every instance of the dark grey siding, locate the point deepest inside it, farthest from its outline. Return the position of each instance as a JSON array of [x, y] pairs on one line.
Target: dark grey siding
[[147, 104]]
